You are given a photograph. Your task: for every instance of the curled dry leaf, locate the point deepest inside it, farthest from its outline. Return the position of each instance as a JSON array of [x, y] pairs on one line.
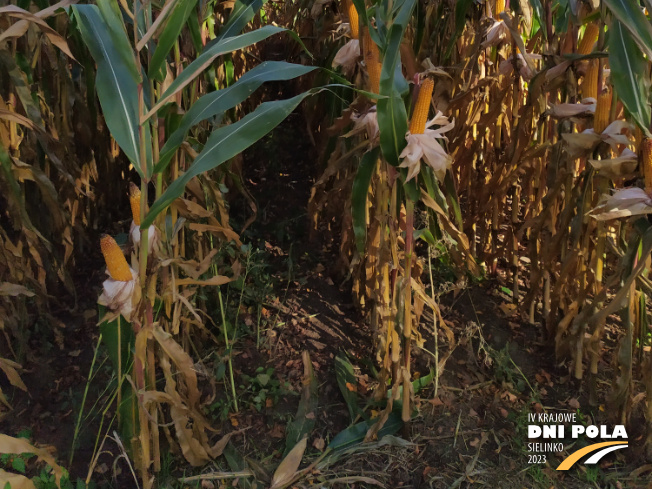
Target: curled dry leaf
[[365, 122], [584, 142], [426, 147], [287, 470], [622, 166], [624, 203], [15, 481], [7, 288], [10, 370], [347, 57], [586, 106], [9, 444], [20, 27]]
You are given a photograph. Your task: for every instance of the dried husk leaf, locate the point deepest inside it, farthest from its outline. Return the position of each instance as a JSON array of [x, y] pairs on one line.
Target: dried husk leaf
[[287, 470]]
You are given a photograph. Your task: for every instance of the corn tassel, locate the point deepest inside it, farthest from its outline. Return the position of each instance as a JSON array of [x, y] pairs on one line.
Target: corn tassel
[[372, 61], [590, 82], [116, 262], [602, 113], [353, 20], [500, 7], [134, 201], [646, 163], [421, 108], [589, 38]]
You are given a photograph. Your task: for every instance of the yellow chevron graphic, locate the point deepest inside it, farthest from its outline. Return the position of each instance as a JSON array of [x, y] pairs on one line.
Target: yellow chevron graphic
[[575, 456]]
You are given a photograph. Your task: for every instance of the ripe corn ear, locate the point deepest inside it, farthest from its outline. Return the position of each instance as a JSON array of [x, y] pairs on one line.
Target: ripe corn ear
[[589, 38], [372, 61], [500, 7], [646, 163], [353, 20], [590, 82], [638, 138], [134, 201], [116, 262], [421, 108], [602, 112]]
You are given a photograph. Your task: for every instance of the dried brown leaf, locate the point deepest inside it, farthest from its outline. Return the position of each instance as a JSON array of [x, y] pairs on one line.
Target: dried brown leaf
[[287, 470]]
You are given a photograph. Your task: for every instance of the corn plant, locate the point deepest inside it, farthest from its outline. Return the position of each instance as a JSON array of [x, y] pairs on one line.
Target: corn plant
[[46, 173], [150, 110], [542, 131], [395, 161]]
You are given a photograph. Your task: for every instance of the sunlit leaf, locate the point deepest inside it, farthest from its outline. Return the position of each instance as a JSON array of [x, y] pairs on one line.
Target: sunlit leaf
[[633, 19], [629, 74]]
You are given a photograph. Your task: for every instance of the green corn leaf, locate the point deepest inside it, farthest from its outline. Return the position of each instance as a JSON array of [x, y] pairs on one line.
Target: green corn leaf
[[345, 378], [110, 12], [205, 59], [225, 143], [362, 11], [242, 13], [169, 36], [355, 434], [195, 35], [562, 16], [359, 197], [539, 15], [116, 82], [392, 116], [634, 20], [304, 421], [417, 385], [119, 340], [628, 74], [216, 103]]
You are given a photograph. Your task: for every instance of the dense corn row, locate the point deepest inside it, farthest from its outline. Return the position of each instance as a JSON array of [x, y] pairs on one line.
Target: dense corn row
[[422, 107], [116, 262]]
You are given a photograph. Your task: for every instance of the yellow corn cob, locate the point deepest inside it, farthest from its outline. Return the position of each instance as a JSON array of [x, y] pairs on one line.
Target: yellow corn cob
[[500, 7], [116, 262], [372, 60], [602, 112], [421, 108], [134, 200], [590, 82], [588, 39], [646, 163], [638, 138], [353, 20]]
